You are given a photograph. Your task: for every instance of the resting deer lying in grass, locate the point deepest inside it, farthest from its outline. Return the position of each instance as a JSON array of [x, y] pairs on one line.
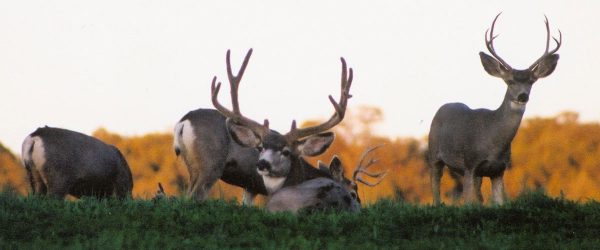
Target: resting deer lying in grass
[[224, 144], [337, 192]]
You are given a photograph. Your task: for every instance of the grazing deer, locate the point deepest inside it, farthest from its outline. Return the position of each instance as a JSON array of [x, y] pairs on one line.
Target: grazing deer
[[224, 144], [61, 162], [337, 192], [476, 143]]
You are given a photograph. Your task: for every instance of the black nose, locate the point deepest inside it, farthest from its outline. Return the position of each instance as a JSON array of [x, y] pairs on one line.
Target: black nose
[[177, 151], [263, 165], [523, 97]]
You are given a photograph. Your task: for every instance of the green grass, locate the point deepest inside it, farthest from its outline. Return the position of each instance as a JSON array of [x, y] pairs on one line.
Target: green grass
[[532, 221]]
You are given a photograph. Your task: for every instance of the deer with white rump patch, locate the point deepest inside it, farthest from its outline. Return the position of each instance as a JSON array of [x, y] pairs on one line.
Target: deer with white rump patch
[[337, 192], [476, 143], [61, 162], [248, 154]]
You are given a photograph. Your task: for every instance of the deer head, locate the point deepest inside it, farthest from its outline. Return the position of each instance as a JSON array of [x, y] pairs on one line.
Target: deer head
[[519, 81], [336, 168], [278, 152]]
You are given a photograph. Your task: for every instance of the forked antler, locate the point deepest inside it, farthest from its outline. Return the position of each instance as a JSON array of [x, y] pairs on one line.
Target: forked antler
[[548, 53], [360, 168], [336, 118], [489, 43], [234, 82]]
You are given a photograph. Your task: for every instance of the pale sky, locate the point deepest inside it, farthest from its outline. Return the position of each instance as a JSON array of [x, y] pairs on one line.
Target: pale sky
[[135, 67]]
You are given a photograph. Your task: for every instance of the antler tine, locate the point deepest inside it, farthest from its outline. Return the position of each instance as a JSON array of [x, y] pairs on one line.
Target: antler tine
[[490, 43], [361, 180], [546, 52], [234, 82], [374, 175], [360, 168], [340, 108]]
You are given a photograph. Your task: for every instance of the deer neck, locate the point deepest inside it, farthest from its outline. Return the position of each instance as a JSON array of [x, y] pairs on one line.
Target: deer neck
[[507, 119], [302, 171]]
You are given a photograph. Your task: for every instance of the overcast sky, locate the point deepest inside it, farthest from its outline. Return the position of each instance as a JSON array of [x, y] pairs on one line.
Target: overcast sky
[[135, 67]]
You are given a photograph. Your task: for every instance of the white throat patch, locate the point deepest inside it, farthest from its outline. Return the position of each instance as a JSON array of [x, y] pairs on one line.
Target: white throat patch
[[273, 183], [517, 106]]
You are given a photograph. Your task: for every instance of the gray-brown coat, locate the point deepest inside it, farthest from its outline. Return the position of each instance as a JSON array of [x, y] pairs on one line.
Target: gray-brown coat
[[61, 162]]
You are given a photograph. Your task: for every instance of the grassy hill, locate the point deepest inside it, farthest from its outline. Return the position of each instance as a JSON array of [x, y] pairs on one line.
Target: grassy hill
[[531, 221]]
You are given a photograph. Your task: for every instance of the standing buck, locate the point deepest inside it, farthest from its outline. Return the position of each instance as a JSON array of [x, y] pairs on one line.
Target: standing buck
[[245, 153], [337, 192], [61, 162], [476, 143]]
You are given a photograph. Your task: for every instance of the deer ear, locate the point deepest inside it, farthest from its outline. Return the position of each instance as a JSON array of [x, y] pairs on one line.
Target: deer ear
[[316, 144], [243, 135], [336, 169], [492, 66], [546, 66]]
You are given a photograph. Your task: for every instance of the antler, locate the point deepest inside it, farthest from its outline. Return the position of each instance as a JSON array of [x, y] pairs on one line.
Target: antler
[[360, 168], [336, 118], [548, 53], [234, 82], [489, 43]]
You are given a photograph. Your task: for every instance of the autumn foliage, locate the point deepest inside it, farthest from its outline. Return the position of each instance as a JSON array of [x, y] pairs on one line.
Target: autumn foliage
[[558, 155]]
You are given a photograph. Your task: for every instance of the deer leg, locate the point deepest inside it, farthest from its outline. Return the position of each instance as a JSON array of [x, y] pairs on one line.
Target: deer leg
[[37, 183], [458, 186], [469, 187], [205, 177], [248, 198], [200, 185], [498, 190], [436, 173]]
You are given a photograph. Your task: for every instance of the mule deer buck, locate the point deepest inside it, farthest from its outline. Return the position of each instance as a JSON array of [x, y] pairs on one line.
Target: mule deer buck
[[337, 192], [224, 144], [476, 143], [61, 162]]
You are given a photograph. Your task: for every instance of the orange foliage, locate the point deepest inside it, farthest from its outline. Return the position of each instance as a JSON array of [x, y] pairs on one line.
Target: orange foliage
[[12, 174], [152, 160], [560, 155]]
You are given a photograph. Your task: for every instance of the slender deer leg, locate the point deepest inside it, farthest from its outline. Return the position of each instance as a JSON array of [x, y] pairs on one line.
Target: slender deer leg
[[469, 187], [498, 190], [38, 185], [192, 189], [457, 190], [248, 198], [436, 176]]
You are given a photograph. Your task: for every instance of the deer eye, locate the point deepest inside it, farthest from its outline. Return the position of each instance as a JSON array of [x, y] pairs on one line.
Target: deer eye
[[259, 148], [285, 152]]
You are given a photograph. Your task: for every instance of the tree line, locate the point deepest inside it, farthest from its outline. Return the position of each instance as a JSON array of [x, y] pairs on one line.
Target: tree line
[[559, 155]]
